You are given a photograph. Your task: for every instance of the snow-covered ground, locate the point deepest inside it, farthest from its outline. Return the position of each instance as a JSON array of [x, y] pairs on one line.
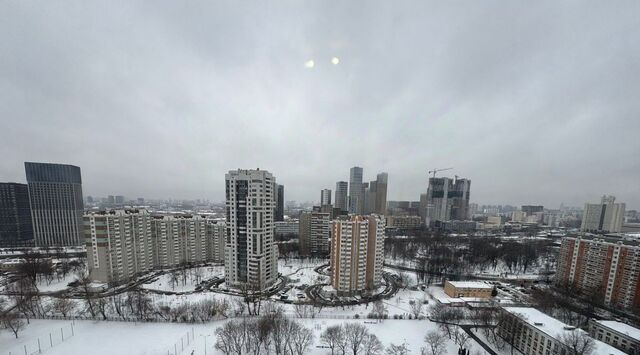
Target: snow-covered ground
[[56, 284], [186, 282], [106, 338]]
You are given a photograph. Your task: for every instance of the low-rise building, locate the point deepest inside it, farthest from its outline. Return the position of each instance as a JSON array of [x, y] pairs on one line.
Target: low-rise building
[[618, 334], [533, 333], [477, 289], [404, 222], [288, 227]]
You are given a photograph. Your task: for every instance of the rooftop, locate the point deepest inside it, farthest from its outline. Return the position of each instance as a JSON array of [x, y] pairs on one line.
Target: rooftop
[[555, 328], [621, 328], [469, 284]]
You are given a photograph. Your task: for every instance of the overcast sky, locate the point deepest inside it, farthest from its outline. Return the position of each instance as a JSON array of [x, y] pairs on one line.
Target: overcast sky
[[535, 102]]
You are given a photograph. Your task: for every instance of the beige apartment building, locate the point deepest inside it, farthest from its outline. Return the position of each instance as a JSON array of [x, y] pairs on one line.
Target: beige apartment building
[[475, 289], [357, 253]]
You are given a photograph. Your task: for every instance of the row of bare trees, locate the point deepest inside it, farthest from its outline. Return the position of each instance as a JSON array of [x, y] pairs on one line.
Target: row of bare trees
[[265, 334]]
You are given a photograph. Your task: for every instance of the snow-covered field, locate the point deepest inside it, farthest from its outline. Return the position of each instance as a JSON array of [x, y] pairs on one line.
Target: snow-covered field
[[107, 338]]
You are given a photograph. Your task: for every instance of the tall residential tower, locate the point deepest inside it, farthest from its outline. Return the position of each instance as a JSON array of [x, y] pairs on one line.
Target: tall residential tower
[[342, 197], [250, 253], [356, 191]]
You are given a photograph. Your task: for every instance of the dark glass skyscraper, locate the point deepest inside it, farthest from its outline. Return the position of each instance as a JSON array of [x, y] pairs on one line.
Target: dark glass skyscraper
[[280, 204], [55, 193], [15, 215]]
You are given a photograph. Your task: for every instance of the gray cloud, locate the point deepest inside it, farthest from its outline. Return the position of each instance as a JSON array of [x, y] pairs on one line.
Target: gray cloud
[[535, 102]]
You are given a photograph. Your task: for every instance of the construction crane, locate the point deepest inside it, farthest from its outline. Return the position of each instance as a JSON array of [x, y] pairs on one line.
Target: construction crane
[[434, 171]]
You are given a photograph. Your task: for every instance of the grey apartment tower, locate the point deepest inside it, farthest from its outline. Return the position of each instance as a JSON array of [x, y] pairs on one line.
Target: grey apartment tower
[[55, 195], [15, 215]]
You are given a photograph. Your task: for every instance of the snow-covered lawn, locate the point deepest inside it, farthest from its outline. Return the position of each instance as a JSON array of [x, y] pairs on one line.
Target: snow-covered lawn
[[56, 284], [106, 338]]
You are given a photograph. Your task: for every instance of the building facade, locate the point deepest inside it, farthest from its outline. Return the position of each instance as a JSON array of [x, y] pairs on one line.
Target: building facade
[[357, 254], [448, 199], [356, 191], [604, 268], [279, 214], [404, 222], [475, 289], [119, 244], [617, 334], [124, 243], [290, 227], [179, 239], [55, 196], [605, 217], [216, 236], [533, 333], [315, 229], [325, 197], [16, 227], [250, 253], [342, 195]]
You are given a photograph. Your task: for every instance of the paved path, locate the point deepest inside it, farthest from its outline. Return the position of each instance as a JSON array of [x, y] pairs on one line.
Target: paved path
[[487, 348]]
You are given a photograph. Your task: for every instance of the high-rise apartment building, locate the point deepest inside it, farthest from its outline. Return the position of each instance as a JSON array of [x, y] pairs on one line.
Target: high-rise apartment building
[[250, 255], [357, 253], [605, 268], [342, 195], [55, 195], [605, 217], [531, 210], [448, 199], [216, 236], [315, 229], [279, 214], [16, 228], [325, 197], [179, 239], [122, 244], [356, 191], [119, 244]]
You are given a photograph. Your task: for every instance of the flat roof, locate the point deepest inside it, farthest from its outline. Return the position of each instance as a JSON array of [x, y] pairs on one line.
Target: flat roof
[[556, 328], [469, 284], [620, 327]]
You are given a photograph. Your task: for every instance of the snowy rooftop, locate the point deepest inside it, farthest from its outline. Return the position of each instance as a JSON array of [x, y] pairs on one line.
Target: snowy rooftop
[[621, 328], [469, 284], [555, 328]]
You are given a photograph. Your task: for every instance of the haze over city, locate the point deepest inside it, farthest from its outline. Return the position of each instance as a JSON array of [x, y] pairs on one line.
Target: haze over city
[[535, 104]]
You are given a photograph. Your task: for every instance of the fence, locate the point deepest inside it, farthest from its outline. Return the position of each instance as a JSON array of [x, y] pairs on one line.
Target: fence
[[45, 342]]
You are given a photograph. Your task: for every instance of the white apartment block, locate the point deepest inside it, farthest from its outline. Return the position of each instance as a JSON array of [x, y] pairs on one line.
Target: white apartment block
[[535, 333], [357, 253], [217, 237], [122, 244], [250, 253], [617, 334], [119, 244], [607, 216], [179, 239]]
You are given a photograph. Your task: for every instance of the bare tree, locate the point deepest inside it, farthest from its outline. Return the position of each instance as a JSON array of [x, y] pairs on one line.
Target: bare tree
[[379, 309], [460, 337], [355, 334], [436, 343], [372, 345], [333, 337], [301, 338], [63, 306], [84, 283], [416, 308], [579, 342], [394, 349], [14, 322]]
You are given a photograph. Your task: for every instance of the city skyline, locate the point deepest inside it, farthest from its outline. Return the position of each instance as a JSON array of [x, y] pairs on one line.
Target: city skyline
[[538, 107]]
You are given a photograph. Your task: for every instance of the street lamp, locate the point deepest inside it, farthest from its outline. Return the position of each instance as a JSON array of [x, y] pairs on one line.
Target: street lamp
[[205, 342]]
